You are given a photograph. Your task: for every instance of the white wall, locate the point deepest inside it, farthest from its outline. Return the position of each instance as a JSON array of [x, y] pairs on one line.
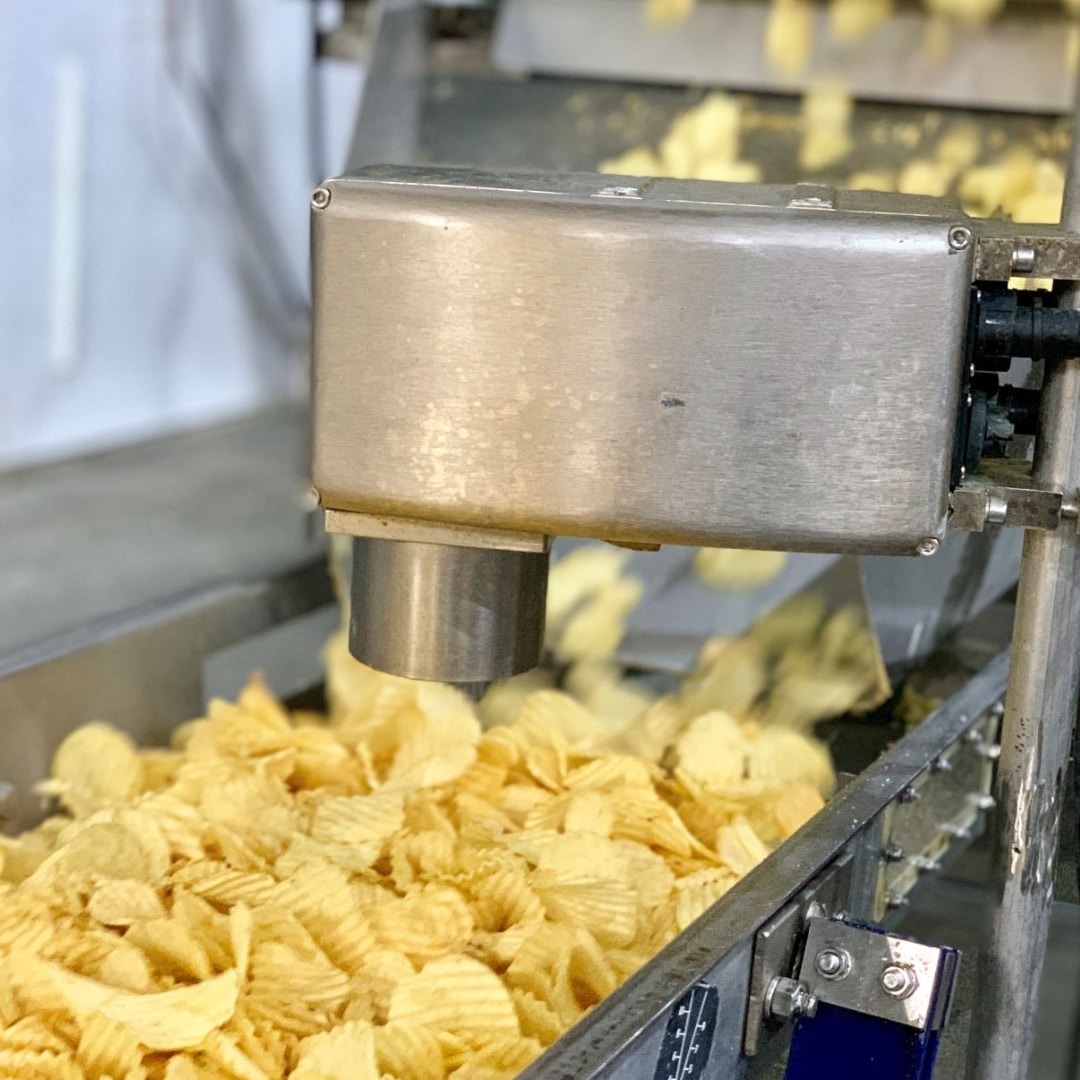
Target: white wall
[[153, 273]]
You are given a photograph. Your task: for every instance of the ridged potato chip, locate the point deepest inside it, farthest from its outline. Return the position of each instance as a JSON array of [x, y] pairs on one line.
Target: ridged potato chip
[[346, 1053], [457, 995], [95, 767], [408, 1052]]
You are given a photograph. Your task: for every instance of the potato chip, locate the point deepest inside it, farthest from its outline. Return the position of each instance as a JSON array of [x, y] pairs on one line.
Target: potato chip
[[794, 806], [441, 748], [170, 1020], [107, 1048], [712, 751], [32, 1033], [39, 1065], [458, 995], [608, 909], [408, 1052], [583, 978], [580, 574], [223, 1049], [538, 1019], [731, 569], [363, 822], [346, 1053], [430, 922], [99, 850], [171, 947], [95, 767], [697, 892], [121, 902], [220, 884], [595, 630], [739, 847]]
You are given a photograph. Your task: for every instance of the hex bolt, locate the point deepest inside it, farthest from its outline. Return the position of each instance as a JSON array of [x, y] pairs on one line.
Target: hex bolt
[[959, 237], [910, 794], [928, 546], [788, 999], [833, 963], [941, 765], [957, 832], [320, 198], [924, 865], [892, 853], [899, 981]]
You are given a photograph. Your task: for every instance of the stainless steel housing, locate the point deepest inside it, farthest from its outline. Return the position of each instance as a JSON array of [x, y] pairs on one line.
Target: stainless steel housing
[[638, 361]]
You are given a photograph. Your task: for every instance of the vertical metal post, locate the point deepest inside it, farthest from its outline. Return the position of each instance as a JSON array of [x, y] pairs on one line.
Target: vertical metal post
[[1040, 709]]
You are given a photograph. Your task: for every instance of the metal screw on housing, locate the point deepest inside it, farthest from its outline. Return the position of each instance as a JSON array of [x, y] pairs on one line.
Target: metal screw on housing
[[959, 237], [320, 198], [928, 546]]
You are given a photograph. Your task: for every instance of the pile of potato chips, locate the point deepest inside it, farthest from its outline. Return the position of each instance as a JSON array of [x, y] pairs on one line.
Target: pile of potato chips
[[395, 892]]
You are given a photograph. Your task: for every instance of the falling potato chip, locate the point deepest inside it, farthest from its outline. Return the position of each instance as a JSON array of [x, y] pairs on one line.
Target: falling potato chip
[[735, 570], [580, 574], [712, 751], [457, 995]]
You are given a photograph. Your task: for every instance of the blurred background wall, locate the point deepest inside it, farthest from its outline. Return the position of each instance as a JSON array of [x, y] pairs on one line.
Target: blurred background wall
[[156, 158]]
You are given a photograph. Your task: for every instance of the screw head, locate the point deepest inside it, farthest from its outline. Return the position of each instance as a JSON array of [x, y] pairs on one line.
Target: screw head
[[320, 198], [928, 546], [833, 963], [899, 981], [959, 237]]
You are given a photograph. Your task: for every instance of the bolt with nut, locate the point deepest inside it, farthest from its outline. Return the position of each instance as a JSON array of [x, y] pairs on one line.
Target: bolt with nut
[[833, 963], [899, 981]]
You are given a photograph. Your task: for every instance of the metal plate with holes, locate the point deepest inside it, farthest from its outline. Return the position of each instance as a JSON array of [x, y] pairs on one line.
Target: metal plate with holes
[[941, 813], [878, 974], [534, 376]]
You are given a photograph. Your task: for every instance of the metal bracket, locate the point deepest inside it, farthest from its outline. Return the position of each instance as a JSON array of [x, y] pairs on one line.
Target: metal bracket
[[774, 996], [878, 974], [979, 502], [1005, 251]]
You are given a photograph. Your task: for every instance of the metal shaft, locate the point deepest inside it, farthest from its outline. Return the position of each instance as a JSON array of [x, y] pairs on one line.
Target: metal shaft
[[1040, 710], [446, 613]]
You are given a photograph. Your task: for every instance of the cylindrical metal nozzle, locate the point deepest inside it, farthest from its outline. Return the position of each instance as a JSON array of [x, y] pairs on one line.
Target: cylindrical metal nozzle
[[446, 613]]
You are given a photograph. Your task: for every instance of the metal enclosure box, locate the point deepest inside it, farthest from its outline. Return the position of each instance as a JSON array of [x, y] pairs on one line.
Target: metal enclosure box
[[642, 361]]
